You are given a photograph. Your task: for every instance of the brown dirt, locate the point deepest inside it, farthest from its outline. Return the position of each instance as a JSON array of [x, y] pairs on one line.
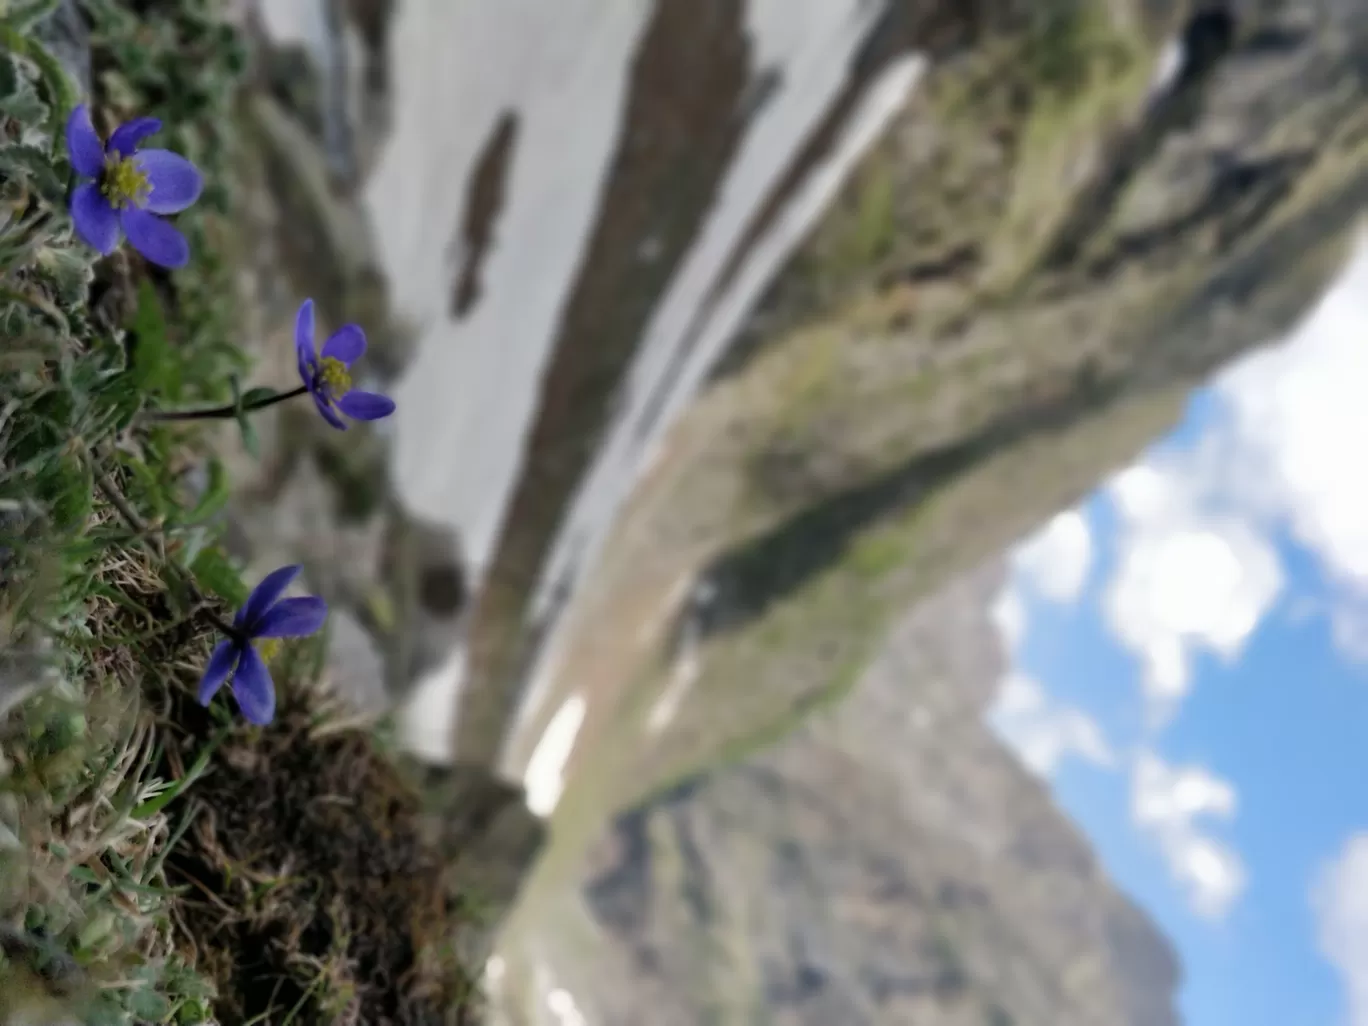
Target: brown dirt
[[313, 892], [311, 888]]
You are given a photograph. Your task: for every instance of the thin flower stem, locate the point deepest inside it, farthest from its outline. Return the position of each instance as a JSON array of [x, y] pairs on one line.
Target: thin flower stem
[[221, 412], [225, 627], [116, 499]]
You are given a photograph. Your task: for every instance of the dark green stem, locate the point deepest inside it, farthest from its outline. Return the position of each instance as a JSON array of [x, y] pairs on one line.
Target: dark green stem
[[221, 412], [224, 626]]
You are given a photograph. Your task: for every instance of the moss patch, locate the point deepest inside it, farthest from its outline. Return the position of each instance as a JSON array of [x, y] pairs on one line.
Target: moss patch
[[310, 884], [1086, 80]]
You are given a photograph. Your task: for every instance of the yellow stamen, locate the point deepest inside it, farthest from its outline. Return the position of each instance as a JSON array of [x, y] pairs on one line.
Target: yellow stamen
[[124, 183], [269, 649], [333, 376]]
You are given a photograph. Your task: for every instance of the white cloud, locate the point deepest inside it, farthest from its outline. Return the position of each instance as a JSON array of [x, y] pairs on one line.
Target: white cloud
[[1339, 898], [1185, 580], [1168, 802], [1056, 558], [1298, 423], [1198, 566], [1143, 494], [1043, 732]]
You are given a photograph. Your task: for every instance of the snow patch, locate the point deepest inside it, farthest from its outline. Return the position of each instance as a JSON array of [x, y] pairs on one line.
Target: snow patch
[[545, 778]]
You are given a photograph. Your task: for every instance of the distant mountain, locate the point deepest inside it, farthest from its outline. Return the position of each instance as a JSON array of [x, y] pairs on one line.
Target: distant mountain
[[889, 862]]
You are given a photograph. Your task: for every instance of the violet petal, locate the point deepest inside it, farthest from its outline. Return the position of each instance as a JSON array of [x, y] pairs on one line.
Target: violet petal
[[304, 329], [347, 344], [127, 136], [254, 689], [366, 405], [292, 618], [325, 408], [175, 182], [216, 671], [160, 242], [84, 148], [95, 220], [264, 596]]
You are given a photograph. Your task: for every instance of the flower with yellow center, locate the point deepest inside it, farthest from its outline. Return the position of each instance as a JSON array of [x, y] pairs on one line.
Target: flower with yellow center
[[253, 641], [334, 377], [270, 649], [327, 374], [124, 184], [127, 188]]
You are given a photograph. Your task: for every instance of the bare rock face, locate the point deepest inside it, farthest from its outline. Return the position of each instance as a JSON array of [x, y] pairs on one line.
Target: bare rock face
[[889, 862]]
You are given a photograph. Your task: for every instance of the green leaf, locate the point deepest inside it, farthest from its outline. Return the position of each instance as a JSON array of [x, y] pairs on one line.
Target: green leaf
[[215, 494], [70, 269], [257, 396], [244, 422], [149, 1005], [249, 437], [25, 16], [71, 507], [153, 364], [149, 483], [195, 539], [125, 410], [215, 573], [97, 929], [23, 104], [64, 483], [123, 400], [152, 806], [194, 1011], [59, 85]]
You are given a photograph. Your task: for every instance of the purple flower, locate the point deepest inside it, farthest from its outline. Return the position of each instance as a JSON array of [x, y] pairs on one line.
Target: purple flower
[[266, 615], [327, 375], [129, 188]]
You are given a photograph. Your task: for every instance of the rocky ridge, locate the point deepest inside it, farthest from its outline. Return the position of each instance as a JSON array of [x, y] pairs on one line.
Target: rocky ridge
[[887, 862]]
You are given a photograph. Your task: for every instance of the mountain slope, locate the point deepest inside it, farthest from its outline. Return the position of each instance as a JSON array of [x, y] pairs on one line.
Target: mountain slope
[[889, 862], [1013, 297]]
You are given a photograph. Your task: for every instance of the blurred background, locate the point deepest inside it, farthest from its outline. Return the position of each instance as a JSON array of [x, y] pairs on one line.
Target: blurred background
[[874, 513]]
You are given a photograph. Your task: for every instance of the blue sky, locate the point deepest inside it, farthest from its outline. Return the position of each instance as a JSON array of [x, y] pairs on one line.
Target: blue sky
[[1190, 672]]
